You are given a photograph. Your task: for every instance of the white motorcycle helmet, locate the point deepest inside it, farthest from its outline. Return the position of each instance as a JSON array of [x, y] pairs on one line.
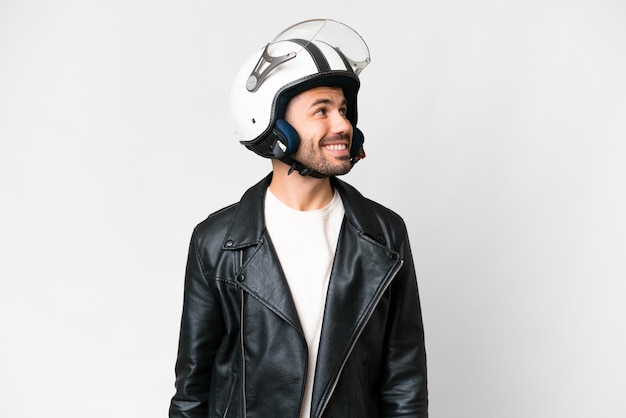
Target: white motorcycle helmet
[[313, 53]]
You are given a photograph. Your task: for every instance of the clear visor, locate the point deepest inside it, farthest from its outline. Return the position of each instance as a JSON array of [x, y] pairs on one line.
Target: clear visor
[[335, 34], [338, 36]]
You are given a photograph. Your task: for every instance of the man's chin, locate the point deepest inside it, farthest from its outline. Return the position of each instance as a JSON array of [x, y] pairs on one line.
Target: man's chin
[[328, 167], [337, 171]]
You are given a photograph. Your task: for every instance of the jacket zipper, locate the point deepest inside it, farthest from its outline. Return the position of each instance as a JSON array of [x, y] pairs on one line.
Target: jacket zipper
[[243, 350], [369, 315]]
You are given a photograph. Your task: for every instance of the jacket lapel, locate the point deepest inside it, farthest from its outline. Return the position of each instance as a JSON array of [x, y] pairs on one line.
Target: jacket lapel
[[258, 272], [362, 270], [264, 279], [361, 273]]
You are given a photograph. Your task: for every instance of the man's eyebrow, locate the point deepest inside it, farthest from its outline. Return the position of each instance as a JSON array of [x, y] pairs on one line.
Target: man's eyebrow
[[318, 102]]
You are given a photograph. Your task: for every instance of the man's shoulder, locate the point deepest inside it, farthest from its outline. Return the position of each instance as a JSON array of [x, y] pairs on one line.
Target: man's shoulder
[[216, 221], [358, 200], [242, 220], [389, 219], [371, 217]]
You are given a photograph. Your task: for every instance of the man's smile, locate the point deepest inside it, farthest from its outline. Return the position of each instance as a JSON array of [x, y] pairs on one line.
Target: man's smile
[[336, 147]]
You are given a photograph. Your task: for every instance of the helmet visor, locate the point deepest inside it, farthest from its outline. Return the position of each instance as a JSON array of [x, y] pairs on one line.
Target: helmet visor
[[344, 40], [335, 34]]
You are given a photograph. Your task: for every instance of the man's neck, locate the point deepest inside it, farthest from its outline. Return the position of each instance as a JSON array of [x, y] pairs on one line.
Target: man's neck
[[299, 192]]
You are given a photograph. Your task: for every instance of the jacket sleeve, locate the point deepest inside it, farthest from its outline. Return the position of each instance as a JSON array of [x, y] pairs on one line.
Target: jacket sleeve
[[404, 391], [201, 331]]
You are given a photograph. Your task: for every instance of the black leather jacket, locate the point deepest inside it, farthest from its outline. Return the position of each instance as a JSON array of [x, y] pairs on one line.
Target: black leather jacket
[[242, 352]]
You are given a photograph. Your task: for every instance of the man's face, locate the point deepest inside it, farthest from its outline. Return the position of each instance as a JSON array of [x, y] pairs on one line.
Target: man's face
[[319, 117]]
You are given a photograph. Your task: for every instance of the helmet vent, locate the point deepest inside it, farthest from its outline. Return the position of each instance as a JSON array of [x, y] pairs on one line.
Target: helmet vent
[[263, 67]]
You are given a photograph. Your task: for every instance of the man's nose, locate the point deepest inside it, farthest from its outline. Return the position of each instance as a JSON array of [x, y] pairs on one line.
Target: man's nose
[[341, 124]]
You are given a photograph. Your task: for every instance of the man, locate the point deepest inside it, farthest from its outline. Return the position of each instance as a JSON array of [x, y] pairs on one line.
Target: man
[[301, 300]]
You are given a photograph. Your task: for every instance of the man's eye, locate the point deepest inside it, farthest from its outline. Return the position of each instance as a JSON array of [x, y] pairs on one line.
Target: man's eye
[[343, 111], [320, 111]]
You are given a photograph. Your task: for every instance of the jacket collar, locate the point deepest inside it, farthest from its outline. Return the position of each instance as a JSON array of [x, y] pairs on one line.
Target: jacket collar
[[248, 225]]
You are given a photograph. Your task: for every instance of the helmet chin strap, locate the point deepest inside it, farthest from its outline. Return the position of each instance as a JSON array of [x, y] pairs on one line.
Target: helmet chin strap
[[300, 168]]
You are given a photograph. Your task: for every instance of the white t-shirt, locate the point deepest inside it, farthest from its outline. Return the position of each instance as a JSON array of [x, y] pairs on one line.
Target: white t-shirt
[[305, 242]]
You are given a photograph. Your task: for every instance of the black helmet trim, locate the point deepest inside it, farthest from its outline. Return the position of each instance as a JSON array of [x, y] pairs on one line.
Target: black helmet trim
[[348, 81], [316, 54]]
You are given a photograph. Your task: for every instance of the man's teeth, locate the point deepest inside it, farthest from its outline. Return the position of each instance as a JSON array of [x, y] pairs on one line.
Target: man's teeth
[[336, 147]]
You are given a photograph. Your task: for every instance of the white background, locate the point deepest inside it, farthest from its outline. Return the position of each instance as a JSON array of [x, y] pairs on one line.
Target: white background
[[495, 128]]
